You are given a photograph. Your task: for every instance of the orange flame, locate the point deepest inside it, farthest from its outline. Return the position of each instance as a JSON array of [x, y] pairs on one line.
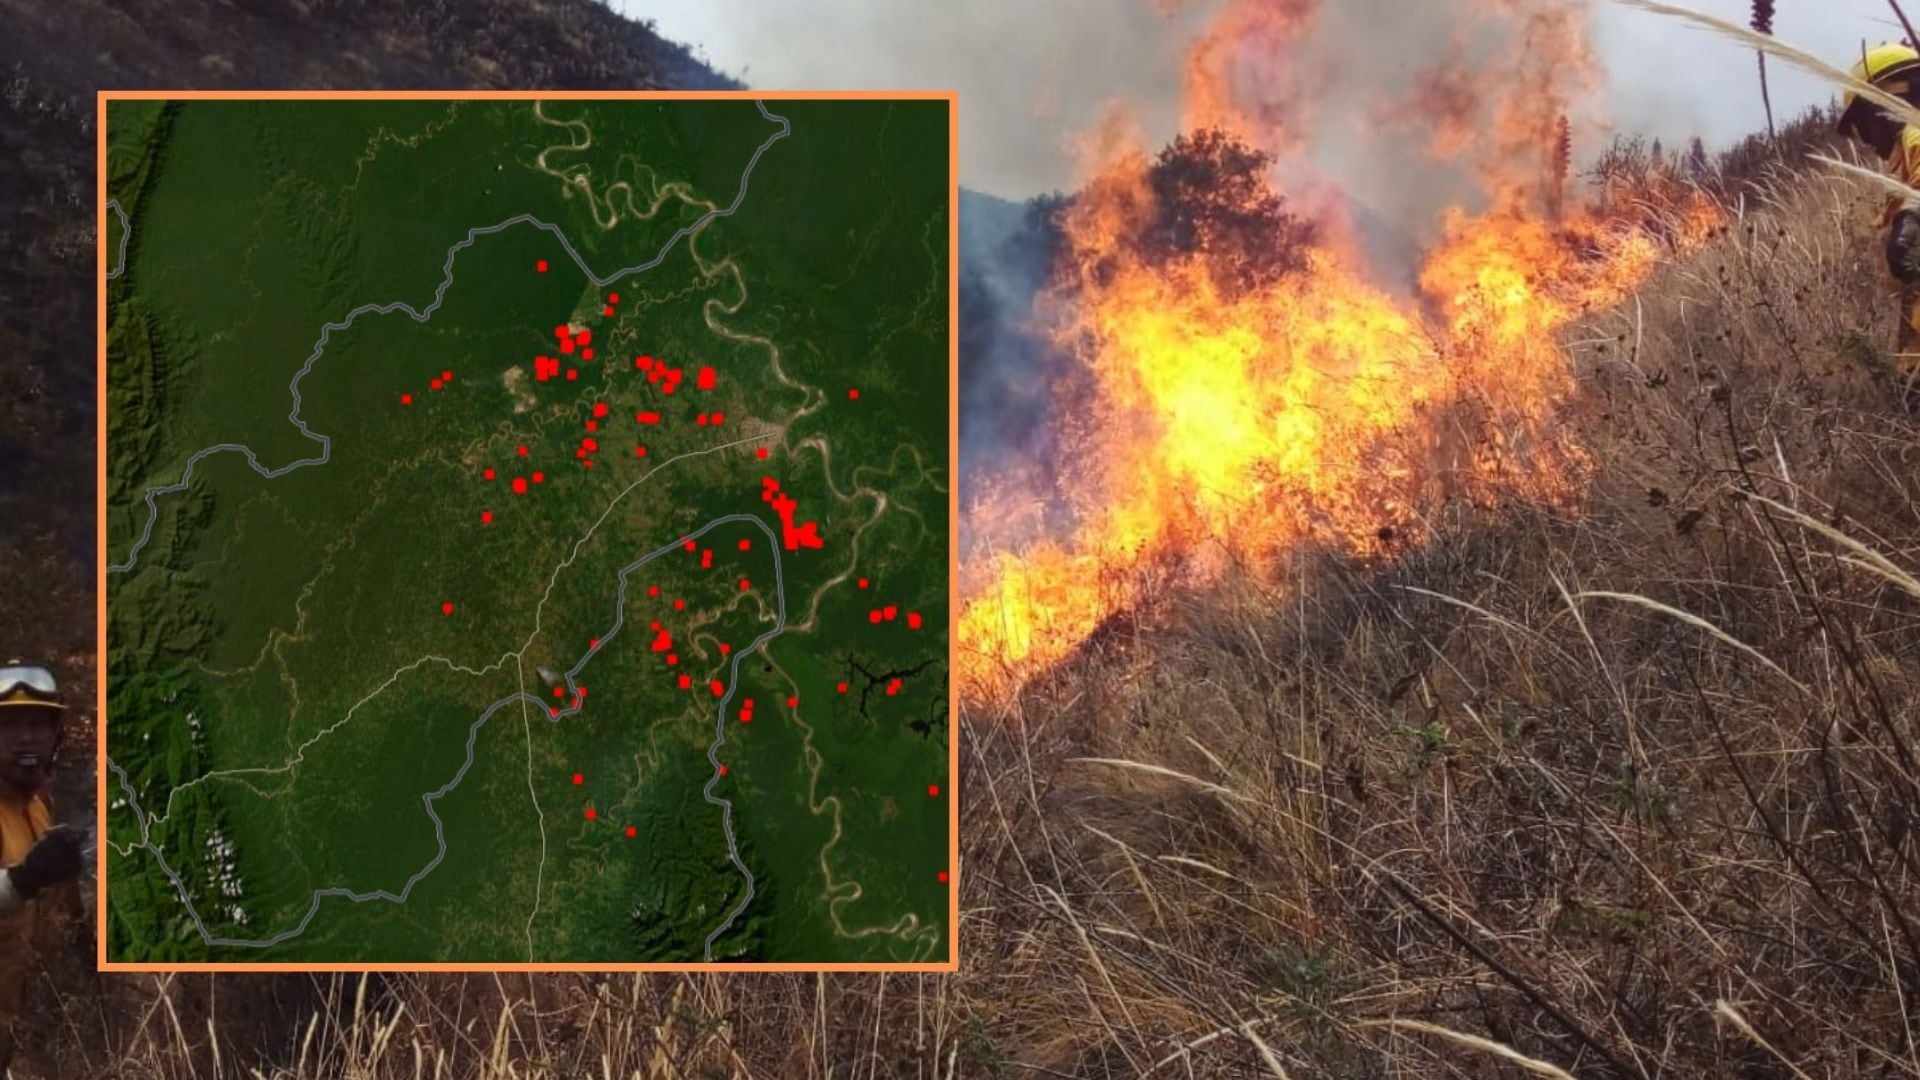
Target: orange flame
[[1209, 425]]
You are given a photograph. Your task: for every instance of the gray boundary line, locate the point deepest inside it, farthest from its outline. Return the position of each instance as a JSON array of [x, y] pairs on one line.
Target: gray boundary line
[[422, 316], [720, 727], [473, 735], [126, 234]]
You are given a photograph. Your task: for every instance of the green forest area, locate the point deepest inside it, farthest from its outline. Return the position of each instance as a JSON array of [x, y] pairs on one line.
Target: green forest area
[[398, 676]]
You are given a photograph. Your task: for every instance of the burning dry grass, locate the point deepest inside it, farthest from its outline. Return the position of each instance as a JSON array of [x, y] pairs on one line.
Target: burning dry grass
[[1631, 792], [1211, 422]]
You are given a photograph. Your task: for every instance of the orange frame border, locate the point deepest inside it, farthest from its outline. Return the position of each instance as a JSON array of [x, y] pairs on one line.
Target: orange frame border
[[952, 963]]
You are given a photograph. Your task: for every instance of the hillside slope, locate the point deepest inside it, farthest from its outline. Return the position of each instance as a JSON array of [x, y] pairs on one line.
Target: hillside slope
[[1601, 784], [1627, 787], [354, 44]]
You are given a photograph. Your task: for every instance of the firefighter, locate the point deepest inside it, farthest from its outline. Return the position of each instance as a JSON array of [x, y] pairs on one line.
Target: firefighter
[[39, 858], [1895, 69]]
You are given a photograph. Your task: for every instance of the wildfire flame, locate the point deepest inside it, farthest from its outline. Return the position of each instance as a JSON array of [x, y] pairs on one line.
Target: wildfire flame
[[1209, 423]]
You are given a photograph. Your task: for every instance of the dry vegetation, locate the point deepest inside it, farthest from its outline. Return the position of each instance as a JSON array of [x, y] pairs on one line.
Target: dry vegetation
[[77, 46], [1628, 789], [1624, 790]]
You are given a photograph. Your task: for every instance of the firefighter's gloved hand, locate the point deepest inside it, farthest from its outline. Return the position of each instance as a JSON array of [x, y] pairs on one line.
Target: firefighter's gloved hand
[[1903, 246], [56, 858]]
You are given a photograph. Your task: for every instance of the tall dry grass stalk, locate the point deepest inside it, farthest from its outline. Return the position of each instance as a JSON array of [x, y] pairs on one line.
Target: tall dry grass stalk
[[1906, 24], [1762, 23]]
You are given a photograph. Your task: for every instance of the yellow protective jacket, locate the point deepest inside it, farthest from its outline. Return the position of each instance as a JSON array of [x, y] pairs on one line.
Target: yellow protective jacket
[[22, 820], [1904, 165]]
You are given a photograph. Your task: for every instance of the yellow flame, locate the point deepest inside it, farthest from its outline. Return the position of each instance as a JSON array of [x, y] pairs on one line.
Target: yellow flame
[[1316, 409]]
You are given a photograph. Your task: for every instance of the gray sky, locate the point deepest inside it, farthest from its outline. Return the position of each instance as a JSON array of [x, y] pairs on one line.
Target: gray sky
[[1032, 73]]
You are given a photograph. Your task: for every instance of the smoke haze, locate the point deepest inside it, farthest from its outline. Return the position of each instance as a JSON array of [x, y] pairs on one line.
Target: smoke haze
[[1031, 75], [1383, 113]]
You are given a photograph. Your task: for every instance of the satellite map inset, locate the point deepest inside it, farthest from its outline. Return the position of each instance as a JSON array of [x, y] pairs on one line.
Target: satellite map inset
[[528, 528]]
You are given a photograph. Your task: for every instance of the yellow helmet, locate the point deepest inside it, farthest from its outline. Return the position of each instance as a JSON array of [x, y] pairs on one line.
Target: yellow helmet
[[24, 685], [1891, 67]]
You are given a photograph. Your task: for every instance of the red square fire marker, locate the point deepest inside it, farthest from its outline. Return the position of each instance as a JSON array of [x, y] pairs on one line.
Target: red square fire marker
[[843, 688], [486, 517], [578, 779], [406, 399], [592, 813], [539, 478], [933, 790], [793, 703], [863, 583], [746, 545], [716, 688], [913, 620], [446, 608], [745, 585], [519, 485], [522, 451], [943, 877], [686, 682], [540, 267], [631, 831], [874, 616], [488, 475], [760, 452], [723, 770]]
